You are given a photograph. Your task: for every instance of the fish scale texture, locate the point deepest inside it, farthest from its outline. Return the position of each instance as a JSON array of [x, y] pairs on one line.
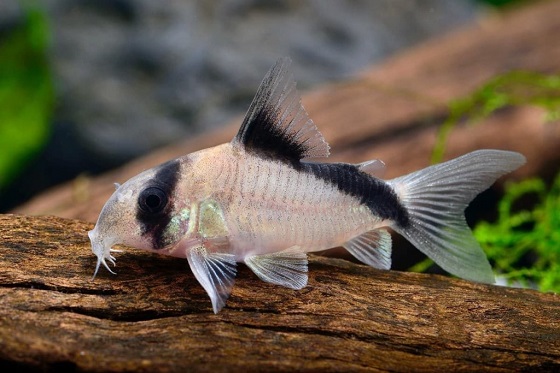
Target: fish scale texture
[[270, 205]]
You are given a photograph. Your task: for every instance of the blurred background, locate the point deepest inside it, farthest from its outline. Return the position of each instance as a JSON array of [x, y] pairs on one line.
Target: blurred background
[[87, 85]]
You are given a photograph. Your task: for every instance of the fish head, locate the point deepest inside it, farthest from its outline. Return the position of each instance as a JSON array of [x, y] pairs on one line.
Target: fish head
[[141, 213]]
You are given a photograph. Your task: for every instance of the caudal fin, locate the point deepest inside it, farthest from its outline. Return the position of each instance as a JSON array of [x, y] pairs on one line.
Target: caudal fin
[[436, 198]]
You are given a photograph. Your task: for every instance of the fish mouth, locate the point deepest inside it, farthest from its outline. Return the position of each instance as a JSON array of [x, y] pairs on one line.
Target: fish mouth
[[102, 251]]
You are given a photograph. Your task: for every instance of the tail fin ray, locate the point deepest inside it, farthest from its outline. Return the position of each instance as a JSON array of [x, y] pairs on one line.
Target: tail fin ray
[[436, 198]]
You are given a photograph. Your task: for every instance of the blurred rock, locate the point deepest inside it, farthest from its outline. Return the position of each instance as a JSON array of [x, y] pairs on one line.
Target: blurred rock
[[138, 74]]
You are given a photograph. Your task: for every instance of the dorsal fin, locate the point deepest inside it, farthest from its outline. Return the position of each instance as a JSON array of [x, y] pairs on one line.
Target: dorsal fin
[[276, 124]]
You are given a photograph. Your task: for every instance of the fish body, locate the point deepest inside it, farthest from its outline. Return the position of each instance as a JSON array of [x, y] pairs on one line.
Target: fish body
[[260, 201], [263, 206]]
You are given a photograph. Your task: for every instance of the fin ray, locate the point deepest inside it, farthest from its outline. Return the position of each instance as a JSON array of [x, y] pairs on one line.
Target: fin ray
[[286, 268], [372, 248], [276, 124], [215, 272], [436, 198], [375, 167]]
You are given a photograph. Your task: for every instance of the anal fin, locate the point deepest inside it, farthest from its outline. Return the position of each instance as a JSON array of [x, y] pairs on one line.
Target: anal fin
[[372, 248], [215, 272], [287, 268]]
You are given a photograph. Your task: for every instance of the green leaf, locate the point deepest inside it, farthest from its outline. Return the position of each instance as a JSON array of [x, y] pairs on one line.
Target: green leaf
[[518, 236], [515, 88]]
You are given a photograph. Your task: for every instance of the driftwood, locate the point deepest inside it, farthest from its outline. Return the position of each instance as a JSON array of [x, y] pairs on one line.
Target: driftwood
[[154, 316], [392, 111]]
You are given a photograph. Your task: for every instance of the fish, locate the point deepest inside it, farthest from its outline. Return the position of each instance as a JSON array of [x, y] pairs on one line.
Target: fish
[[265, 199]]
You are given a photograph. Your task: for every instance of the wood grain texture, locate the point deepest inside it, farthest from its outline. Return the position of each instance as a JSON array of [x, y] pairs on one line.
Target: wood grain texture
[[392, 111], [154, 316]]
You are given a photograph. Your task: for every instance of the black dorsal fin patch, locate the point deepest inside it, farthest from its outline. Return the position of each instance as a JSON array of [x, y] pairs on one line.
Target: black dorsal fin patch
[[276, 124]]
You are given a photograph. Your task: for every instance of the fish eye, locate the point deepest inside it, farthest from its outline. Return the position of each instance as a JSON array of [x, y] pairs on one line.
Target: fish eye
[[152, 200]]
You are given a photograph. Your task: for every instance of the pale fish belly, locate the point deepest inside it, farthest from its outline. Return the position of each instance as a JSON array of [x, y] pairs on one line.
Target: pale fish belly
[[270, 206]]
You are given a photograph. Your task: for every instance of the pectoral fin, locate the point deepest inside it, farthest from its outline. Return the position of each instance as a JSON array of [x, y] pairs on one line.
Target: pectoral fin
[[215, 272], [372, 248], [287, 268]]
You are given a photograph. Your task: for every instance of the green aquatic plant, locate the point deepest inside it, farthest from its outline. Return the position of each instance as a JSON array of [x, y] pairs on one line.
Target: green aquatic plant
[[524, 243], [26, 93], [511, 89]]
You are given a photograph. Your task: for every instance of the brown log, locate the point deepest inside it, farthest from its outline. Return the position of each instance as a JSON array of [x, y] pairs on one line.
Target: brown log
[[392, 111], [154, 316]]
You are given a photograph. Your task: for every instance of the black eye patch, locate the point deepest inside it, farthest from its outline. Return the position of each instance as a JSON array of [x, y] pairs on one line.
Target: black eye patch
[[155, 203]]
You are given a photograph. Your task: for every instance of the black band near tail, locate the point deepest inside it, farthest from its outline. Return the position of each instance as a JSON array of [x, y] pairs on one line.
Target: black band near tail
[[376, 194]]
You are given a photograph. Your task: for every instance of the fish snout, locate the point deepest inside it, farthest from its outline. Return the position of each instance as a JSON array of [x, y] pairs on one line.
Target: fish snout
[[102, 250], [93, 239]]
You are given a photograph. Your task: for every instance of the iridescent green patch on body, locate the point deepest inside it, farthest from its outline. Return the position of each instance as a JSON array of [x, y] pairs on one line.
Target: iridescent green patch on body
[[177, 227], [211, 223]]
